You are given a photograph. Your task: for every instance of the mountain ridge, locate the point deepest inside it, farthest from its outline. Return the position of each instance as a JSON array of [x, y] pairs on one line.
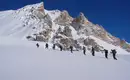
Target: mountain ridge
[[36, 23]]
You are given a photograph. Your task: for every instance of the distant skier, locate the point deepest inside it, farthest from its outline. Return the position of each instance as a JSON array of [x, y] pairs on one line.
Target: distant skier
[[71, 49], [37, 45], [106, 53], [93, 51], [84, 50], [53, 46], [61, 48], [46, 45], [114, 54]]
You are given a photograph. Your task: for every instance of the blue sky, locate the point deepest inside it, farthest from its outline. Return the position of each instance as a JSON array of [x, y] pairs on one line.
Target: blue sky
[[113, 15]]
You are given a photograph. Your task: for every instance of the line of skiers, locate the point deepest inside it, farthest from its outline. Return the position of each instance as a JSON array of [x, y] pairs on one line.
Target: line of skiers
[[53, 47], [113, 51]]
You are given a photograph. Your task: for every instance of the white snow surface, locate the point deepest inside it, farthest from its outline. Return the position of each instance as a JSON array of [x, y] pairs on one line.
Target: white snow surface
[[21, 60], [19, 23]]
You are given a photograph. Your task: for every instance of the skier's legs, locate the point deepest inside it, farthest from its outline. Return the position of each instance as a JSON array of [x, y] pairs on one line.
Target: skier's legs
[[71, 50], [114, 57], [106, 55], [93, 53], [84, 52], [60, 49], [37, 46]]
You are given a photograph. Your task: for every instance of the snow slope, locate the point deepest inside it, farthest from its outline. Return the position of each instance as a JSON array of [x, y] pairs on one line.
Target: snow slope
[[109, 46], [11, 25], [21, 60], [19, 23]]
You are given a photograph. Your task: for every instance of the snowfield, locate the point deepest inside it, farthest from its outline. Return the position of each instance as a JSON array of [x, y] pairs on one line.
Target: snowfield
[[21, 60]]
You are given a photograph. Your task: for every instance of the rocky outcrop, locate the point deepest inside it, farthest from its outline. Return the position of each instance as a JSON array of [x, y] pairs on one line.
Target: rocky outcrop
[[81, 19], [41, 8], [64, 18], [48, 20], [65, 30], [91, 42]]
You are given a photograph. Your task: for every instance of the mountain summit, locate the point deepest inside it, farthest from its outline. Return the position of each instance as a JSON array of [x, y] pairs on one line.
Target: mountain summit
[[34, 22]]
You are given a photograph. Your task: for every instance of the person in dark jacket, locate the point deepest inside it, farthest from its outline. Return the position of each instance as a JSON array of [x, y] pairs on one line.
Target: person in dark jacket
[[71, 49], [93, 51], [84, 50], [46, 45], [106, 53], [114, 54], [61, 48], [37, 45], [53, 46]]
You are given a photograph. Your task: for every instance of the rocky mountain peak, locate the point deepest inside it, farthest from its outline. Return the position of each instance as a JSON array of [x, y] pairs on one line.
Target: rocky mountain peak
[[41, 7], [64, 18], [82, 18], [39, 24]]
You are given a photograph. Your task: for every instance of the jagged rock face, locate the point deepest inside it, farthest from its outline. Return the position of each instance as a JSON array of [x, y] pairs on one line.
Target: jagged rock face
[[91, 42], [83, 26], [33, 19], [65, 36], [67, 32], [64, 18], [39, 38], [124, 45], [38, 14], [115, 41], [45, 33], [66, 42], [43, 36], [81, 19], [88, 42], [48, 20], [41, 8], [43, 25]]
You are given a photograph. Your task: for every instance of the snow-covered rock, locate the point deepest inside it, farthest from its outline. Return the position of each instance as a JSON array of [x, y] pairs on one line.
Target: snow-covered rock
[[33, 22]]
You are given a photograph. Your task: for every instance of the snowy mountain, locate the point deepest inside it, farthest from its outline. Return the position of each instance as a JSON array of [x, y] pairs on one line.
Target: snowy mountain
[[35, 23], [20, 59]]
